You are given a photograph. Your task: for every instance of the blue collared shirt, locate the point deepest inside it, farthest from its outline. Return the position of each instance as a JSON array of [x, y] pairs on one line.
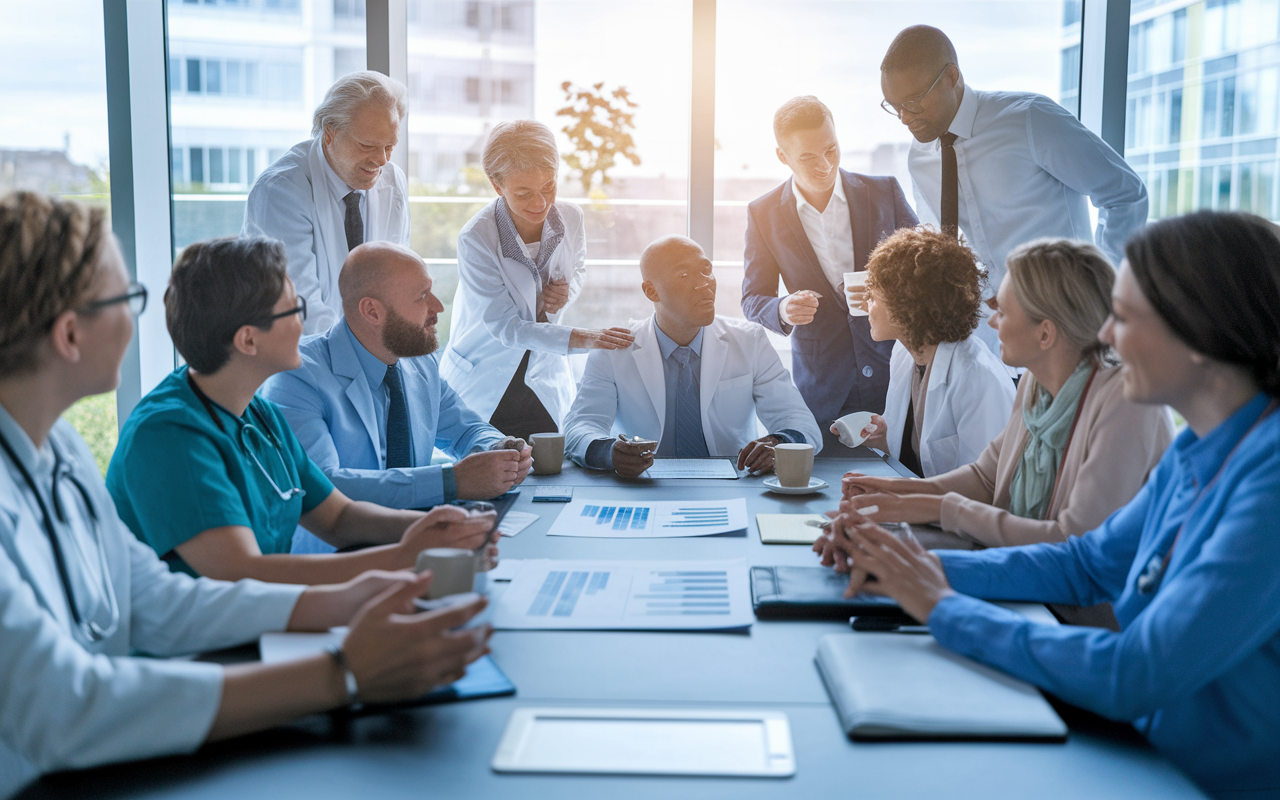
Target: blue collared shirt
[[1196, 664], [375, 372], [600, 452], [338, 190]]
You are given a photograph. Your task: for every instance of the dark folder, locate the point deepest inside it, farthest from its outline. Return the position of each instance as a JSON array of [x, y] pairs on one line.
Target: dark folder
[[811, 593]]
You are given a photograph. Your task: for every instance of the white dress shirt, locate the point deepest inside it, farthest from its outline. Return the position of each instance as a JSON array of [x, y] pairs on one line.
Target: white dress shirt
[[1027, 169], [830, 235], [66, 702]]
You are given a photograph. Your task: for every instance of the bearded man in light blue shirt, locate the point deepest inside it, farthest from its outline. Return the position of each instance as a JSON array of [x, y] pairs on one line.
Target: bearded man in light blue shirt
[[370, 407], [1024, 166]]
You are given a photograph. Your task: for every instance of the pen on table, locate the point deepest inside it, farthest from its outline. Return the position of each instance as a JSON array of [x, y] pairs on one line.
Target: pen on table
[[826, 524]]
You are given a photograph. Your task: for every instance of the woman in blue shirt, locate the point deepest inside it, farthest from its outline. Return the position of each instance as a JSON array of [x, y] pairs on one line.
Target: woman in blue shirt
[[211, 476], [1190, 564]]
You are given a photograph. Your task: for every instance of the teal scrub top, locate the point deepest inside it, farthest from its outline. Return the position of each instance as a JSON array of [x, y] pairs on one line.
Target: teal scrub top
[[176, 474]]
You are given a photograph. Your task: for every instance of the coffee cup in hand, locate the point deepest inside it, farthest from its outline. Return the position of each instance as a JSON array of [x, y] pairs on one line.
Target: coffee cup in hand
[[855, 292], [453, 570]]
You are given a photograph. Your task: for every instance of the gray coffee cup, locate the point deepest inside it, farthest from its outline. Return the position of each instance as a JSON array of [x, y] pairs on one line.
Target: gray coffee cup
[[548, 453], [453, 568]]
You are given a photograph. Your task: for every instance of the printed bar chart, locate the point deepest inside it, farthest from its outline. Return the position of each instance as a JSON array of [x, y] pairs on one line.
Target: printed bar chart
[[612, 519], [635, 595]]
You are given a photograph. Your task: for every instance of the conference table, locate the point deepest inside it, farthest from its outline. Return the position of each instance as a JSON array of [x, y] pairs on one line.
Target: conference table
[[445, 750]]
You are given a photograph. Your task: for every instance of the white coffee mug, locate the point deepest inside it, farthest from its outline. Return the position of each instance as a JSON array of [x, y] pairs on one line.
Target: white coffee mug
[[793, 464], [854, 280], [453, 570]]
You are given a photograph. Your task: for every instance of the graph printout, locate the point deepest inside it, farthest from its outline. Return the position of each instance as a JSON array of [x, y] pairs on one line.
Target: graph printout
[[626, 595], [623, 519]]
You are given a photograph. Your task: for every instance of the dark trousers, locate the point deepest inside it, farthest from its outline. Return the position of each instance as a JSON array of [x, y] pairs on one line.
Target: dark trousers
[[520, 413]]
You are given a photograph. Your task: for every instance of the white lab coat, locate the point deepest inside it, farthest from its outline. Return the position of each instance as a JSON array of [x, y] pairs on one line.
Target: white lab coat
[[292, 201], [967, 403], [494, 318], [624, 391], [67, 704]]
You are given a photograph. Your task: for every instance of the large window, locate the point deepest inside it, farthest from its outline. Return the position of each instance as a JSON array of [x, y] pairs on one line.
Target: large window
[[472, 64], [244, 77], [53, 133], [1203, 111]]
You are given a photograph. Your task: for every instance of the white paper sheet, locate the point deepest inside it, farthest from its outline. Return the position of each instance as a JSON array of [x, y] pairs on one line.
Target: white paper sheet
[[516, 521], [715, 468], [626, 595], [625, 519], [284, 646]]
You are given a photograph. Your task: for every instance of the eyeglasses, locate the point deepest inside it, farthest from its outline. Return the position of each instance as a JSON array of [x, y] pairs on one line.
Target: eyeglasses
[[136, 297], [301, 308], [914, 105]]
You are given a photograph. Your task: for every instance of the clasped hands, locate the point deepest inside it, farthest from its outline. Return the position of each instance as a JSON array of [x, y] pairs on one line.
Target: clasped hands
[[630, 458]]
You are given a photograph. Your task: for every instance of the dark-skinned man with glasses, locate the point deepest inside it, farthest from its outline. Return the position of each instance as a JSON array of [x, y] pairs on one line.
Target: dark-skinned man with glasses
[[211, 476], [1002, 168]]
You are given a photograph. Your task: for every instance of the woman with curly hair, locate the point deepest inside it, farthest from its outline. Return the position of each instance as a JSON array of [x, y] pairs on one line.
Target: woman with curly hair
[[949, 395]]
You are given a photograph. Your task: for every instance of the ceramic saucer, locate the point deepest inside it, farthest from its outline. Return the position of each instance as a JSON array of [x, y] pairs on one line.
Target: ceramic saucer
[[815, 485]]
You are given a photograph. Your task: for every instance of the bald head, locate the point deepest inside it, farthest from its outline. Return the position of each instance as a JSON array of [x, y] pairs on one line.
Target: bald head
[[678, 279], [919, 48], [375, 269], [666, 254]]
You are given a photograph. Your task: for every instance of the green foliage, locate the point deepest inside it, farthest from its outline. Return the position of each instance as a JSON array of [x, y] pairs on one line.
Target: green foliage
[[599, 128], [94, 418]]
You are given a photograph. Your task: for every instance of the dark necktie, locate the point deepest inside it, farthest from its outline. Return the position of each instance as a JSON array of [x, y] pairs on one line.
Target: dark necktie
[[397, 421], [354, 223], [950, 204], [690, 443]]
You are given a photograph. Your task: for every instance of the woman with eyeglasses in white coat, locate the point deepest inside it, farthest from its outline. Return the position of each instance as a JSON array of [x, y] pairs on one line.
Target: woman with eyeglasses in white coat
[[79, 594]]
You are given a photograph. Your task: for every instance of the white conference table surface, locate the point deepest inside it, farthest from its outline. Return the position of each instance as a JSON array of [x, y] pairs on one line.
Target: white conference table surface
[[444, 751]]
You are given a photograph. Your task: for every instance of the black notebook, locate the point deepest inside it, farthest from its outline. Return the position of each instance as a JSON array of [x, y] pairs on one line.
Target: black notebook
[[811, 593]]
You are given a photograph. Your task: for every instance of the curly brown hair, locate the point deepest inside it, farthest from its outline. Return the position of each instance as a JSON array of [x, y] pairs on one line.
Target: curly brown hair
[[49, 253], [930, 284]]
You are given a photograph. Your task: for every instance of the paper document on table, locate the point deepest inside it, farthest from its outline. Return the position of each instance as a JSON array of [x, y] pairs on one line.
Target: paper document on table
[[516, 521], [623, 519], [715, 468], [788, 528], [626, 595]]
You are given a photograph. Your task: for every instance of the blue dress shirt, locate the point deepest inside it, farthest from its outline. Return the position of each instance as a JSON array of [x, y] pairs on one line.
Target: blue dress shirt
[[600, 452], [1196, 664]]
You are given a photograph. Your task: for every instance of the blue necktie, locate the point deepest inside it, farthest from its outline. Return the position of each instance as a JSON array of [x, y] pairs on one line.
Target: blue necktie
[[397, 422], [689, 440]]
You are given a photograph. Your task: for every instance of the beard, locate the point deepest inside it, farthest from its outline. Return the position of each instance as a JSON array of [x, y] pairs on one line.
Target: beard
[[406, 340]]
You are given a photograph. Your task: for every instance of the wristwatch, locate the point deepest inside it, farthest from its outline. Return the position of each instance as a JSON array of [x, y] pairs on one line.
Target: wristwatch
[[349, 678]]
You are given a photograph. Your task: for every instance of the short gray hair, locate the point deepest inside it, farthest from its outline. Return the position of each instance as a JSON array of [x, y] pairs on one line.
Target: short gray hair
[[518, 145], [350, 92]]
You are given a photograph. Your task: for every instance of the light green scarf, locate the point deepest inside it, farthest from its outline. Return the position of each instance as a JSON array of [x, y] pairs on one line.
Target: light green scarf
[[1048, 420]]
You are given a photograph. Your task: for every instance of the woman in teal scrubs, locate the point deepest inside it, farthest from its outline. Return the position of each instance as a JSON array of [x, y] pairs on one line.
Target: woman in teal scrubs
[[210, 475]]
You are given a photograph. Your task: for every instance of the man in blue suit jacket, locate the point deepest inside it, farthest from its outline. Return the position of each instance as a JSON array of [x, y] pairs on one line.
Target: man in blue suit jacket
[[342, 404], [809, 231]]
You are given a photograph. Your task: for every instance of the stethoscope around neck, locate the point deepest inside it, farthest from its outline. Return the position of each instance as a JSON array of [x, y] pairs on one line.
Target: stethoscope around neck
[[92, 631]]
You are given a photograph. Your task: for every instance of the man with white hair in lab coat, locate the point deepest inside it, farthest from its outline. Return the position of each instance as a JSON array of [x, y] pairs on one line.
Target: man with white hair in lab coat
[[336, 190]]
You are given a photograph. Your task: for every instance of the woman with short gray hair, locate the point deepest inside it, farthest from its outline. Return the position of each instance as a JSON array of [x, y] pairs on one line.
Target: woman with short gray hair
[[521, 262]]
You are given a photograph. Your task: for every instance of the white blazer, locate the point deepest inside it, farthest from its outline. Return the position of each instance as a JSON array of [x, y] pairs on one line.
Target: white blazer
[[292, 201], [624, 391], [495, 312], [966, 404]]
